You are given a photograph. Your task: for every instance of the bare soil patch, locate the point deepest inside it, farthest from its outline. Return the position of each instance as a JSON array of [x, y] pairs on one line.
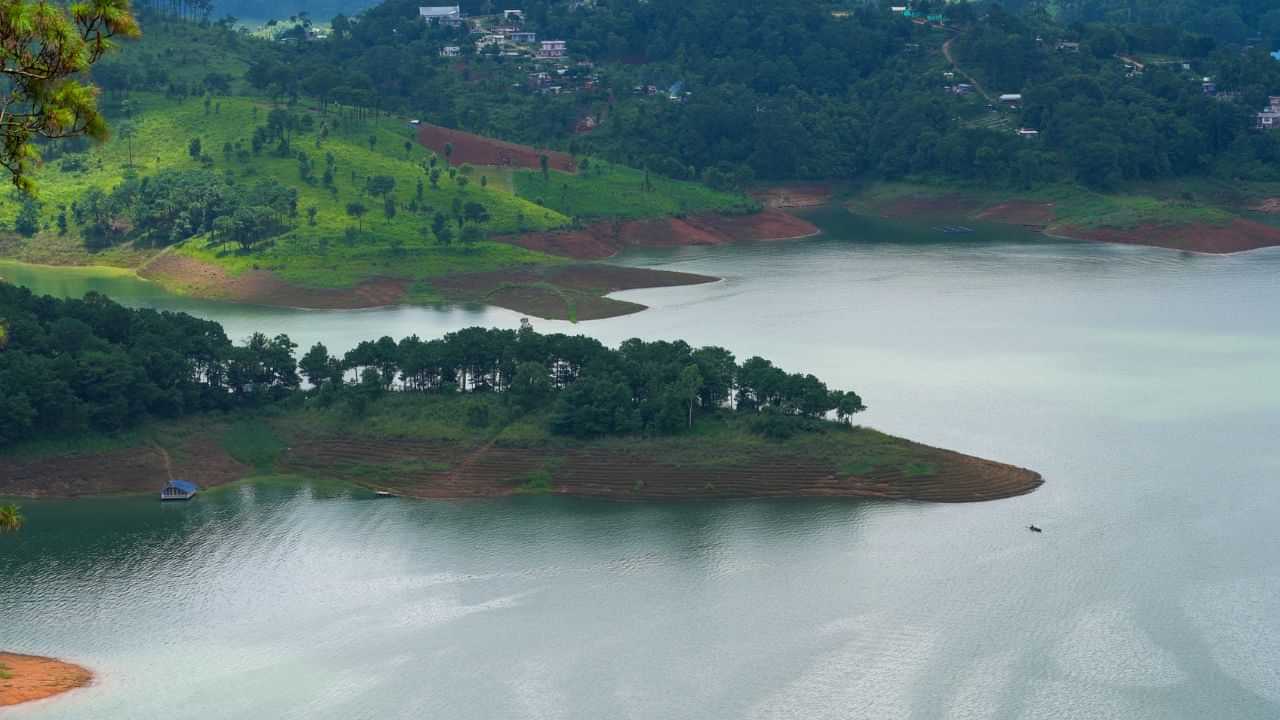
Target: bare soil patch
[[793, 195], [604, 239], [261, 287], [138, 469], [1237, 236], [643, 472], [1270, 206], [480, 150], [1019, 212], [35, 678]]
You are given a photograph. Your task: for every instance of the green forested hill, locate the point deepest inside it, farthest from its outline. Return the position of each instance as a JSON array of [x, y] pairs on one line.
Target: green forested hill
[[729, 91], [320, 193]]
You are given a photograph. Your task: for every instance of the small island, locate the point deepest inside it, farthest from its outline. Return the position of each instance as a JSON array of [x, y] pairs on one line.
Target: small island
[[111, 400], [26, 678]]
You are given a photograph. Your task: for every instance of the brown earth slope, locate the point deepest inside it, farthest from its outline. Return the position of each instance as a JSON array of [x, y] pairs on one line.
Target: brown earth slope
[[479, 150], [136, 469], [1239, 235], [605, 239], [642, 472]]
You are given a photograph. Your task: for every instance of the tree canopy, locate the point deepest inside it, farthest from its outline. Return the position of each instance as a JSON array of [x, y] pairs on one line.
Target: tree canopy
[[92, 365], [44, 49]]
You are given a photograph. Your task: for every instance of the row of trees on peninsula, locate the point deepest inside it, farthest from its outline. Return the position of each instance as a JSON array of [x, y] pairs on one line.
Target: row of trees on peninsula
[[72, 366]]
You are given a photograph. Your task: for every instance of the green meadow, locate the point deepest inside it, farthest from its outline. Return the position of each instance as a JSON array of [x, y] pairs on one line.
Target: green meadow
[[603, 189]]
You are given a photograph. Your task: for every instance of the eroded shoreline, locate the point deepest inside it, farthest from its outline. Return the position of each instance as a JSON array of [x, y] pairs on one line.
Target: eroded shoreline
[[1238, 235]]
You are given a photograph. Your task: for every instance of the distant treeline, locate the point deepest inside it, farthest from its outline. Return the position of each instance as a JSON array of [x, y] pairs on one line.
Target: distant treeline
[[73, 366], [790, 89]]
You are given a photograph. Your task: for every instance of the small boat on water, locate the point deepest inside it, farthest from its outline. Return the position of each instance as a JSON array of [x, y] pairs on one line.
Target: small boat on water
[[1033, 528], [383, 493], [179, 490]]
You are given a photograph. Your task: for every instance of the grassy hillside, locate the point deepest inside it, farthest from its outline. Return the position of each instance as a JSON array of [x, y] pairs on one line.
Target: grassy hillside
[[607, 190], [319, 254], [184, 83]]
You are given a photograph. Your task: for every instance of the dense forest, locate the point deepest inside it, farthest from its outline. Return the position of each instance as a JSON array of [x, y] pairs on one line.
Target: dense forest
[[793, 89], [73, 366]]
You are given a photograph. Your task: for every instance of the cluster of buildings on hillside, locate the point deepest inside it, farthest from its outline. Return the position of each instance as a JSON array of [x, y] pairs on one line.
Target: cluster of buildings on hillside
[[507, 38], [1269, 118]]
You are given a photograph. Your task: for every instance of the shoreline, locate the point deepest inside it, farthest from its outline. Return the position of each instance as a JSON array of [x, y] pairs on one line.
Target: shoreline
[[852, 465], [572, 291], [34, 677], [604, 239], [1238, 235]]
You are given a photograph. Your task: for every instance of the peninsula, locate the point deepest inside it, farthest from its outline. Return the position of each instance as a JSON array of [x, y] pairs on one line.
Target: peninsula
[[26, 678], [112, 400]]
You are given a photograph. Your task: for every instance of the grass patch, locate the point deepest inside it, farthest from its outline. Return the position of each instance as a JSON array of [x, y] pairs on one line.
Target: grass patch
[[617, 191], [253, 442], [538, 482], [399, 415], [5, 672], [84, 444]]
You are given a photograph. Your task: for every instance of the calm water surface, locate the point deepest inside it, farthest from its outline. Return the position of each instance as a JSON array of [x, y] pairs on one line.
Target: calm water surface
[[1142, 383]]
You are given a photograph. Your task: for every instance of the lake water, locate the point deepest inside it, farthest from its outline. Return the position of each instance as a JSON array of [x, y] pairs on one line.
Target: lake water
[[1144, 384]]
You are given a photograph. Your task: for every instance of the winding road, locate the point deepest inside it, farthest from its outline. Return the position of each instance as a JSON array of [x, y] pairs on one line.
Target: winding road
[[946, 52]]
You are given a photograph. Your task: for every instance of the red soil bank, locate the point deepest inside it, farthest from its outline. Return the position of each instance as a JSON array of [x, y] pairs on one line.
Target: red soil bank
[[794, 195], [480, 150], [1019, 212], [604, 239], [135, 469], [1237, 236]]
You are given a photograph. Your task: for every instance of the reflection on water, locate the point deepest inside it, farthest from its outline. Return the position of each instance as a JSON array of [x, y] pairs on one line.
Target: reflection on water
[[1140, 382]]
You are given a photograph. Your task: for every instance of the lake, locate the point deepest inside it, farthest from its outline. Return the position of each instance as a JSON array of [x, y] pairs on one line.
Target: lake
[[1142, 383]]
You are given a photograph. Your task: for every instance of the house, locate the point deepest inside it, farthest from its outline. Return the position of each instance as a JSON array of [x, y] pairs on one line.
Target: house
[[1028, 133], [551, 49], [179, 490], [447, 15], [524, 38], [513, 15], [1208, 86], [450, 51], [1269, 118], [962, 89], [488, 40], [1065, 46], [898, 9], [1011, 99]]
